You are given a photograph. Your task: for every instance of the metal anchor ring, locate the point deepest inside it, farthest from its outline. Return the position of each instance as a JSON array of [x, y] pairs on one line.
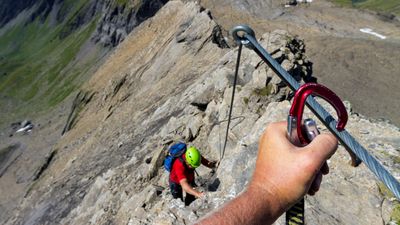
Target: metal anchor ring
[[296, 111], [239, 32]]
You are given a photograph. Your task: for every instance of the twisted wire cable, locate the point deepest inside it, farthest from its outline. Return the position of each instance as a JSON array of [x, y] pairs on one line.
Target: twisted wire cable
[[248, 39], [233, 95]]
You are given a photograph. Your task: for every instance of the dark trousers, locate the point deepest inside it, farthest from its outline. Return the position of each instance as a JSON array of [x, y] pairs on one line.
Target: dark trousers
[[176, 191]]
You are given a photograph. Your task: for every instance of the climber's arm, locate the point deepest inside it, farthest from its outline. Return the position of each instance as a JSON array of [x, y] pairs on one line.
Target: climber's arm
[[253, 206], [284, 173], [208, 163], [189, 189]]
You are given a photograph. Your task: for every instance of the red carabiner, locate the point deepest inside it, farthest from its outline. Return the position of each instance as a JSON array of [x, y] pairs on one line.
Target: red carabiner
[[300, 97]]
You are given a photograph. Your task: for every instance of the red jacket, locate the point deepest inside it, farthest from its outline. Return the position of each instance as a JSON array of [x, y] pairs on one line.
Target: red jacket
[[181, 171]]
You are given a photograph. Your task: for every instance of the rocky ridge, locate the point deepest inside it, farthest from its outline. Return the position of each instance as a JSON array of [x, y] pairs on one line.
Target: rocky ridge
[[116, 18], [170, 82], [118, 21], [55, 45]]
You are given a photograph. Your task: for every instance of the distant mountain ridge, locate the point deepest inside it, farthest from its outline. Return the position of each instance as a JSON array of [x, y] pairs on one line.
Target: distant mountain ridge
[[9, 9], [170, 79], [48, 47]]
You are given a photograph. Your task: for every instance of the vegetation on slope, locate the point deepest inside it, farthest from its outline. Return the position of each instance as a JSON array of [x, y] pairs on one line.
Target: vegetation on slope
[[47, 55], [382, 6], [38, 61]]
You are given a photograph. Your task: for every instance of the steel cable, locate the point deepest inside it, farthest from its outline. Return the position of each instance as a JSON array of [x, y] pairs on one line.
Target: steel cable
[[248, 39], [233, 95]]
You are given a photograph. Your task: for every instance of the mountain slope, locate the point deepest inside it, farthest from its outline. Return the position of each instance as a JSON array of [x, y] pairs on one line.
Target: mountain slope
[[49, 48], [148, 75], [167, 82], [171, 80], [388, 9], [334, 38]]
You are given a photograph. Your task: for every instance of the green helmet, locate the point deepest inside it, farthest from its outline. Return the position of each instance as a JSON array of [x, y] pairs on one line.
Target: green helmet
[[193, 157]]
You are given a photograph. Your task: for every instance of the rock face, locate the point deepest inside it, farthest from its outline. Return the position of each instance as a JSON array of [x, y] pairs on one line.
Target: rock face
[[10, 9], [64, 40], [116, 18], [169, 82], [119, 20]]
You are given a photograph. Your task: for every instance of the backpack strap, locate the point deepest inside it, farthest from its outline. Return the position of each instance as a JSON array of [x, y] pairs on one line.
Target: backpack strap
[[185, 165], [182, 160]]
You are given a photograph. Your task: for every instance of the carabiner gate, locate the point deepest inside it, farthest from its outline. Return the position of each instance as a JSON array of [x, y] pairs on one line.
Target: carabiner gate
[[296, 129]]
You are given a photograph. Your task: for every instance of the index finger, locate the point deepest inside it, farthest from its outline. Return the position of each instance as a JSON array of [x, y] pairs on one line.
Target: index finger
[[276, 134]]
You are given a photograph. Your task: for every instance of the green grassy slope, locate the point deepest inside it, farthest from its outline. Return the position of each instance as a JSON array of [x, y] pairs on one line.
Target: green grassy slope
[[43, 61], [383, 6], [38, 66]]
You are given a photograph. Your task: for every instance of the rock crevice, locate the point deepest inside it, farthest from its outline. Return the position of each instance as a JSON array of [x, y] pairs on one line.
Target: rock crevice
[[176, 85]]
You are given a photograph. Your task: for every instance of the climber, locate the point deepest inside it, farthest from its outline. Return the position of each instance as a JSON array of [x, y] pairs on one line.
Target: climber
[[182, 174], [284, 174]]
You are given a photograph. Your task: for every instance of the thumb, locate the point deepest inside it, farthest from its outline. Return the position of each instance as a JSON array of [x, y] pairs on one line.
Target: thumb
[[322, 148]]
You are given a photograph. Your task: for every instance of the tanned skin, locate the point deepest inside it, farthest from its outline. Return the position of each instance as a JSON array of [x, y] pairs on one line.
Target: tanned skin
[[284, 173], [189, 189], [185, 184]]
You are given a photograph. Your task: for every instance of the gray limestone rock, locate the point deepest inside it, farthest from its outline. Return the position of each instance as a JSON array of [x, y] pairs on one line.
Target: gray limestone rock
[[179, 84]]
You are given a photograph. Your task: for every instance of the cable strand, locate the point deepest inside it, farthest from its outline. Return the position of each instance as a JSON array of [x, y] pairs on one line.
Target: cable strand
[[233, 95], [344, 137]]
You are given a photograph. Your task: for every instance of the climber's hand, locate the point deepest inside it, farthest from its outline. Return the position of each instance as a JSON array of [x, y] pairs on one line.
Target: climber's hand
[[201, 195], [286, 172], [213, 164]]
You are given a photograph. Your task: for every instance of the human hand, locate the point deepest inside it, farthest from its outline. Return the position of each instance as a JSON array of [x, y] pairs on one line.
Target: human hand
[[201, 195], [285, 172], [212, 164]]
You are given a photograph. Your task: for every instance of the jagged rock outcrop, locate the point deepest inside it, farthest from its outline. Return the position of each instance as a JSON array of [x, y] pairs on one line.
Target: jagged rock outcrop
[[81, 99], [167, 82], [11, 8], [60, 43], [118, 20]]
